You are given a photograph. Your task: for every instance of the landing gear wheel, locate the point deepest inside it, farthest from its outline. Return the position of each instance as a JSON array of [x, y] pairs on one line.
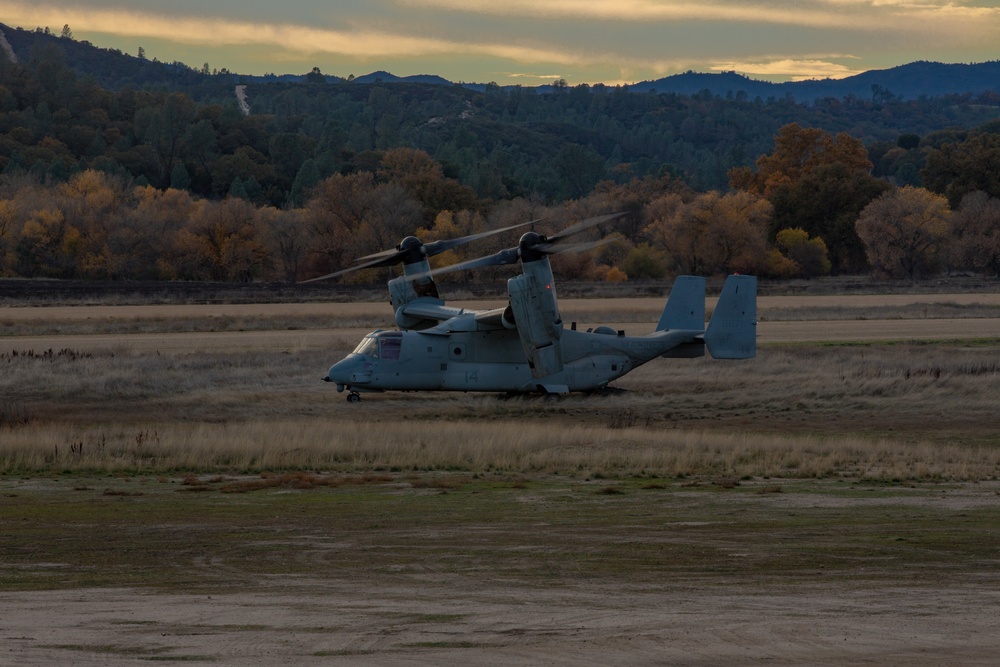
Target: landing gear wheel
[[353, 397]]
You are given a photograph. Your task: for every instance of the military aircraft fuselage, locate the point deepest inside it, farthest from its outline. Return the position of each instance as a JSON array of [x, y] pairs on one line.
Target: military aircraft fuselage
[[493, 359]]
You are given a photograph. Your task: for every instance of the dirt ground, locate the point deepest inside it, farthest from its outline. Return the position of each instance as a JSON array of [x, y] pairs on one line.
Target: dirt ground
[[437, 622]]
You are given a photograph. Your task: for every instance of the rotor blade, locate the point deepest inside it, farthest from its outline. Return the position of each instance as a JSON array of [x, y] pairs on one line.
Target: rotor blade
[[385, 261], [378, 255], [582, 225], [508, 256], [550, 249], [437, 247]]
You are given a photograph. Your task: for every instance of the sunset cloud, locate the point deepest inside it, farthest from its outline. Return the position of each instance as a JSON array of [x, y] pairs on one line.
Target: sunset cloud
[[834, 14], [287, 36], [794, 69]]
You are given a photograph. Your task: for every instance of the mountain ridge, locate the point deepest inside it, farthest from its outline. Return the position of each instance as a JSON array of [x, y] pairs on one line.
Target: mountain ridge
[[909, 81]]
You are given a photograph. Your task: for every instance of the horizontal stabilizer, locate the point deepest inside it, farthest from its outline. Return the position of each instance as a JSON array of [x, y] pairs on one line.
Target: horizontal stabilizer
[[732, 332], [685, 307]]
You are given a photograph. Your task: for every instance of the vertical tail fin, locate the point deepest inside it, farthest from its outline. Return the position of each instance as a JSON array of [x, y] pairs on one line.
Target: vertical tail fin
[[732, 332], [685, 307]]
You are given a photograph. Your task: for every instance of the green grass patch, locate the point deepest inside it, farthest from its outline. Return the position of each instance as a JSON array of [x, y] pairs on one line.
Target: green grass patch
[[560, 531]]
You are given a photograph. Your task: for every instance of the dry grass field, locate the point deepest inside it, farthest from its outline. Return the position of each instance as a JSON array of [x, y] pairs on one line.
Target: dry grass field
[[177, 484]]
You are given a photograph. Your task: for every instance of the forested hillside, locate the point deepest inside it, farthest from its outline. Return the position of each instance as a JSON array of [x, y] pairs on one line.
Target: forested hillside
[[153, 171]]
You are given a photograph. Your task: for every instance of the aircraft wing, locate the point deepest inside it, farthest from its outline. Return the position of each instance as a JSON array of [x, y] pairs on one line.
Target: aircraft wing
[[427, 308]]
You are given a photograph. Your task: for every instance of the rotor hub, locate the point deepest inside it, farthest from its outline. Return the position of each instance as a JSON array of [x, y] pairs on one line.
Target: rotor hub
[[412, 250], [528, 246]]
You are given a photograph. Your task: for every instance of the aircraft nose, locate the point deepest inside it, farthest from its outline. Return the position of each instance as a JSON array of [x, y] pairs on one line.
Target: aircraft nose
[[350, 371]]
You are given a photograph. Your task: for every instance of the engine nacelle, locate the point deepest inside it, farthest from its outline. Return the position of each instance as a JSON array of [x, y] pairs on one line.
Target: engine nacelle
[[403, 290], [538, 324]]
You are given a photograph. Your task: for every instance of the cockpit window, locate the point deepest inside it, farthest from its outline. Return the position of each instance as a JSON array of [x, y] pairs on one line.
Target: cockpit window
[[381, 345], [368, 347]]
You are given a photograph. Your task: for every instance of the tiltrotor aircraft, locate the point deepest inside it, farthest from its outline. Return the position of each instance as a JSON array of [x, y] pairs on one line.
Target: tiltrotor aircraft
[[524, 347]]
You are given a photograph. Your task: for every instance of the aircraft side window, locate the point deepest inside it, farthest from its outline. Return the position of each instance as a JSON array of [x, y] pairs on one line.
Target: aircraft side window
[[390, 348]]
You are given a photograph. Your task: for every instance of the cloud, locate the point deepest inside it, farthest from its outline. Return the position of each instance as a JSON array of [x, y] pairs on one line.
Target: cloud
[[861, 15], [364, 44], [302, 40], [526, 75], [795, 69]]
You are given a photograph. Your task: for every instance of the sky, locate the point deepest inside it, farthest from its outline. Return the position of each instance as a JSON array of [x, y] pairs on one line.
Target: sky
[[532, 42]]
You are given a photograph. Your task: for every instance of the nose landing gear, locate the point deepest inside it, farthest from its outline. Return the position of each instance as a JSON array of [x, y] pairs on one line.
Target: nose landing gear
[[353, 397]]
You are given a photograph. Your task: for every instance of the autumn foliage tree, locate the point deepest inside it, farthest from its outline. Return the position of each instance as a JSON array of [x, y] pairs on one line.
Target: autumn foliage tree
[[798, 151], [222, 242], [715, 233], [354, 215], [975, 232], [818, 182], [905, 232], [798, 255]]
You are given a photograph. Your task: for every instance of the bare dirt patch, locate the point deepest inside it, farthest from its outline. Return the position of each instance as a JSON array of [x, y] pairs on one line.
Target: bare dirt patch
[[461, 622]]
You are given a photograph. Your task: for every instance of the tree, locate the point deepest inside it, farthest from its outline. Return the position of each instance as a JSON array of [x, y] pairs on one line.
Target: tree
[[352, 216], [716, 233], [315, 76], [424, 178], [826, 203], [904, 232], [93, 203], [975, 233], [579, 169], [797, 152], [222, 242], [305, 180], [956, 169], [180, 179], [245, 163], [67, 33], [163, 129], [808, 254], [148, 235], [287, 235], [47, 246], [644, 262]]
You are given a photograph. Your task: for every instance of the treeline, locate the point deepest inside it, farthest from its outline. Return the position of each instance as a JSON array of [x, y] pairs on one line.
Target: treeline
[[145, 184], [810, 207]]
